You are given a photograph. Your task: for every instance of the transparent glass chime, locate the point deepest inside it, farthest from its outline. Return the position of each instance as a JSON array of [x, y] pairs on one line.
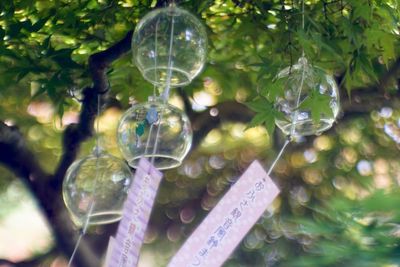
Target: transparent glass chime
[[95, 188], [169, 48], [301, 82], [155, 129]]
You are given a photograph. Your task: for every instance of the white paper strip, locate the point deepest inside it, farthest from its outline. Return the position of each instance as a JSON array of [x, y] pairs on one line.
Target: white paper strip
[[230, 220], [136, 215]]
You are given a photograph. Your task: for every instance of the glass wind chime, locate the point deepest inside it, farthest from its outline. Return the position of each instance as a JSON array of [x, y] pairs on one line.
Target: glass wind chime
[[169, 48], [304, 83], [95, 188]]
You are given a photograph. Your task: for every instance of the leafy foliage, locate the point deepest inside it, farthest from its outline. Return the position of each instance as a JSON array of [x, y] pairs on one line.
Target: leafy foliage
[[317, 103], [339, 198], [266, 114]]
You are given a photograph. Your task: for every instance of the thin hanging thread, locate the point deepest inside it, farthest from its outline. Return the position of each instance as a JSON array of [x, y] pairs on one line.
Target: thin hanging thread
[[295, 114], [168, 86], [293, 127], [155, 79], [170, 61], [92, 202], [302, 21], [278, 156], [156, 57], [165, 94]]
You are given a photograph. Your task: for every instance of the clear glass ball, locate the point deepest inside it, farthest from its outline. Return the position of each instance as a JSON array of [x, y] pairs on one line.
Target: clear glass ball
[[98, 179], [300, 81], [169, 33], [155, 130]]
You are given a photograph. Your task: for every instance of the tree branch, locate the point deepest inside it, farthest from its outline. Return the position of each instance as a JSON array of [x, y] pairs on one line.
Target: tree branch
[[365, 99], [389, 76], [75, 134], [186, 102], [16, 156]]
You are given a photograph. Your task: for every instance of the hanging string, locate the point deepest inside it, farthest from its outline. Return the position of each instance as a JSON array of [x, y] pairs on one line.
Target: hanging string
[[303, 66], [302, 12], [170, 61], [156, 57], [83, 231], [98, 126], [294, 121], [278, 156], [295, 113], [168, 86], [166, 90], [302, 22], [154, 85]]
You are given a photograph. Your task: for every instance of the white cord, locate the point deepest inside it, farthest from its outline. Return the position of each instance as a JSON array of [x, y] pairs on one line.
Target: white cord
[[170, 61], [92, 202], [302, 21], [295, 114], [168, 86]]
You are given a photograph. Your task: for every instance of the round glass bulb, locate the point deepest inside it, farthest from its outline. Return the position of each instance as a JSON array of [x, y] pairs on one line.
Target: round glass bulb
[[98, 179], [155, 130], [169, 41], [303, 84]]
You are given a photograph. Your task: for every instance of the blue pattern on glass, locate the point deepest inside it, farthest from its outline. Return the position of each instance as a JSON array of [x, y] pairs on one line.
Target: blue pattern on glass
[[152, 115]]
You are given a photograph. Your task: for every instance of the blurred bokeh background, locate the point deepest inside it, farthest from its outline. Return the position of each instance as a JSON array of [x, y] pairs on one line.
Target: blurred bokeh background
[[339, 201]]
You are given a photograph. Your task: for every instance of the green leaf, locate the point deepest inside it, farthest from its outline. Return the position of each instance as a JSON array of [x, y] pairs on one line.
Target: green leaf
[[366, 65], [42, 90], [39, 24], [266, 114], [318, 104], [63, 58], [22, 74], [60, 109], [260, 105], [258, 119], [264, 118], [9, 53], [362, 11], [275, 89], [383, 41]]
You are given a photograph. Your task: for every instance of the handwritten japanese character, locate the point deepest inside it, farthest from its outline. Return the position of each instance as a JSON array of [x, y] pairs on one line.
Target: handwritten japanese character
[[212, 242], [236, 214], [196, 261], [251, 195], [203, 252], [259, 186], [243, 204], [136, 211], [220, 232], [227, 224], [139, 200], [146, 179]]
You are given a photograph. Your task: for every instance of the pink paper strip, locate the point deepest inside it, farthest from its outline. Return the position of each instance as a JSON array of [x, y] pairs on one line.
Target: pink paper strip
[[227, 224], [109, 251], [136, 215]]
